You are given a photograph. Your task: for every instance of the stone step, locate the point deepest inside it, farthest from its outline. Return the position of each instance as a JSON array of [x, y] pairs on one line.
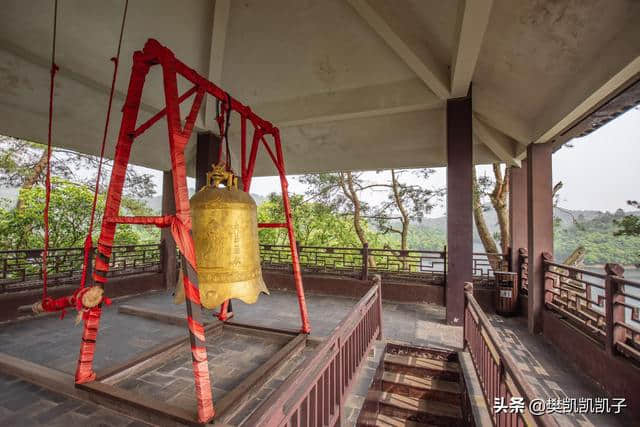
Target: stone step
[[371, 419], [420, 410], [421, 387], [421, 366]]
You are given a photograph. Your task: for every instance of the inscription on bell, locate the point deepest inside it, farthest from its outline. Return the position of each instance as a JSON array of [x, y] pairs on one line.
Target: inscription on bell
[[225, 234]]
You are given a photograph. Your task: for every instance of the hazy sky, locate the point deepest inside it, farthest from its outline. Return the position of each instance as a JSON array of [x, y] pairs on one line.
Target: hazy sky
[[600, 172]]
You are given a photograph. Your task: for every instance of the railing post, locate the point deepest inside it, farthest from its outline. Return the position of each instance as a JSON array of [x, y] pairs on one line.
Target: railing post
[[522, 268], [444, 263], [613, 312], [547, 282], [377, 280], [468, 292], [365, 261]]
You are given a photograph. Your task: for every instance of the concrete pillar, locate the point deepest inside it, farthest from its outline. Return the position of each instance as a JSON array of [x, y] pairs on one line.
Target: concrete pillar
[[540, 226], [207, 149], [459, 205], [517, 213], [168, 208]]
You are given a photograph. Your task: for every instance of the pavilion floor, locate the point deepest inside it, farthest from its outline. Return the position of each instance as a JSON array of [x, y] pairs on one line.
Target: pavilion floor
[[550, 375], [54, 343]]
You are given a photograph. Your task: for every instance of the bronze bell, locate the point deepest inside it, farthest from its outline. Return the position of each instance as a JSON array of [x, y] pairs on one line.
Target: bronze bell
[[225, 234]]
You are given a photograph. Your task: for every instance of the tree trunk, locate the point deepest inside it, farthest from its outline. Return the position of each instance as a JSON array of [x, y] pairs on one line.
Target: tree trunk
[[405, 221], [33, 177], [499, 197], [576, 257], [483, 231], [346, 182]]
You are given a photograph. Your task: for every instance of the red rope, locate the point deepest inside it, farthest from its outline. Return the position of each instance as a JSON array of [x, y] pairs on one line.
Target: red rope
[[47, 199], [88, 243]]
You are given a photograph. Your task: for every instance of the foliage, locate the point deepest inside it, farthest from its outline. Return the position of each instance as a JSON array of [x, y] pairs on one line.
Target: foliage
[[23, 163], [405, 202], [328, 189], [427, 238], [344, 193], [597, 236], [69, 216], [629, 225], [315, 224]]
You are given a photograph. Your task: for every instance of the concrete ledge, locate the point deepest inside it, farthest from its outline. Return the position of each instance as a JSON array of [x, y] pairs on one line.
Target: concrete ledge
[[616, 375], [60, 382], [477, 402], [349, 287]]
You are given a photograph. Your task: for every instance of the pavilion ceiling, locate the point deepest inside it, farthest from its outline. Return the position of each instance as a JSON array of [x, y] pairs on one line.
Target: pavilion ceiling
[[353, 84]]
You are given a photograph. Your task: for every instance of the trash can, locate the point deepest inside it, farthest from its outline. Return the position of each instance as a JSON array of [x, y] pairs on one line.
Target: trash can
[[506, 296]]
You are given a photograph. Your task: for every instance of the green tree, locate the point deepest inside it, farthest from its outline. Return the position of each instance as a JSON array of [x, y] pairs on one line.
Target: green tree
[[628, 225], [315, 224], [341, 192], [23, 165], [405, 203], [69, 216], [598, 236]]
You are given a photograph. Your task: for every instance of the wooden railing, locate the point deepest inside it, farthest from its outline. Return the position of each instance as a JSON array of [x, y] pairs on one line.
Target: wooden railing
[[577, 294], [314, 395], [604, 305], [422, 266], [499, 376], [623, 297], [22, 270], [523, 271]]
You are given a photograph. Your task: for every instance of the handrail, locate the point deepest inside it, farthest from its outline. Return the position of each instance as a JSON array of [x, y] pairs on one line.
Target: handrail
[[514, 383], [21, 270], [605, 306], [575, 269], [9, 251], [410, 264], [318, 389]]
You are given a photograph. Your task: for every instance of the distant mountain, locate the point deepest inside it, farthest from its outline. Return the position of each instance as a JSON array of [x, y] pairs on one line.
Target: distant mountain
[[567, 219]]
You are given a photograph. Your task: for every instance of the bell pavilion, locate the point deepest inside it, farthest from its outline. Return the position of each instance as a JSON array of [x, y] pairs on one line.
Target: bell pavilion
[[291, 335]]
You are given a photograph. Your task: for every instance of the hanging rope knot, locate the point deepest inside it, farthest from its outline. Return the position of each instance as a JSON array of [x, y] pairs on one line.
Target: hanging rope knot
[[114, 60], [88, 298], [54, 69]]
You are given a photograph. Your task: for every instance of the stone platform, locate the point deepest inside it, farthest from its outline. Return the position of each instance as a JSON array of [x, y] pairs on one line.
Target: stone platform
[[54, 343]]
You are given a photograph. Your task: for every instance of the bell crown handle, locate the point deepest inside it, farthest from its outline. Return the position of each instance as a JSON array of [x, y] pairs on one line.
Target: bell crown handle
[[220, 175]]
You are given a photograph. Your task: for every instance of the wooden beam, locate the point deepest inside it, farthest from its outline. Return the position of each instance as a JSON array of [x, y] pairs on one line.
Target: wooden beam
[[134, 402], [473, 19], [500, 114], [63, 383], [254, 382], [620, 102], [413, 52], [160, 316], [369, 101], [219, 27], [500, 144]]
